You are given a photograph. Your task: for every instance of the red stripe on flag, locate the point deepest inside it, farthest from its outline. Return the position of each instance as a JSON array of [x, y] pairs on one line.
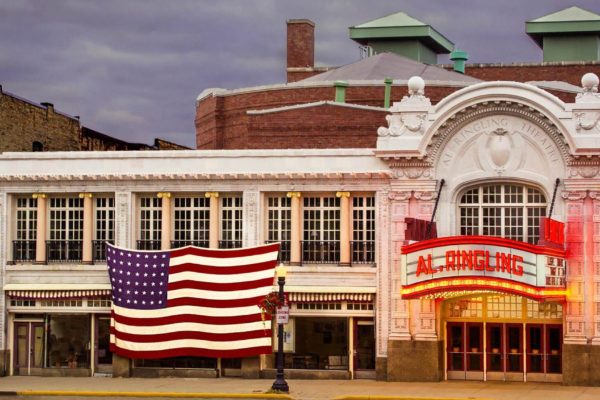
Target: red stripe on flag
[[213, 337], [225, 253], [209, 269], [193, 318], [192, 352], [189, 301], [220, 287]]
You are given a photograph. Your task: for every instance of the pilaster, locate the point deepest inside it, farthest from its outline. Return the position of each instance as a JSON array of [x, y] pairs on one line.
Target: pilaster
[[88, 228], [42, 215], [384, 291], [4, 243], [213, 234], [167, 225], [251, 211], [344, 227], [123, 222], [400, 314], [574, 329], [296, 228]]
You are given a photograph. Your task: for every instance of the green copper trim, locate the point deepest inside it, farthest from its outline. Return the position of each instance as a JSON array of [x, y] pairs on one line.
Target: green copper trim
[[426, 34], [388, 92], [340, 91]]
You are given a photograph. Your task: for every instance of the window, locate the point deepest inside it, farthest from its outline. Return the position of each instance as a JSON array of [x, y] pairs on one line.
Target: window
[[321, 237], [26, 230], [504, 210], [66, 229], [279, 224], [104, 226], [363, 229], [191, 221], [150, 223], [231, 222]]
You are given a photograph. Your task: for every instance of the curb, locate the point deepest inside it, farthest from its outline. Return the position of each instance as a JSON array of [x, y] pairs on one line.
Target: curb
[[146, 394], [377, 397]]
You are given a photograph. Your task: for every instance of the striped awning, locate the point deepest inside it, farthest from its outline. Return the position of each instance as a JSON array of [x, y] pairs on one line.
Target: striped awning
[[57, 294], [295, 297]]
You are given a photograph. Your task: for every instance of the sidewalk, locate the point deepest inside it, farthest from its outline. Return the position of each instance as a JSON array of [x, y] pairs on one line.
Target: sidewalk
[[304, 389]]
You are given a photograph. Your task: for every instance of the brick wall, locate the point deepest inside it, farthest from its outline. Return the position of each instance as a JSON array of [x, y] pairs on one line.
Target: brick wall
[[222, 121], [565, 72], [22, 123]]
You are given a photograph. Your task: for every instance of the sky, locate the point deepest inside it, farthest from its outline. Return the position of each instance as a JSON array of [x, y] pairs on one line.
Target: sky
[[132, 69]]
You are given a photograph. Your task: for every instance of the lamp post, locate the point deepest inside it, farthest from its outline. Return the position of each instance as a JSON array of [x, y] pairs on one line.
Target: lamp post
[[280, 384]]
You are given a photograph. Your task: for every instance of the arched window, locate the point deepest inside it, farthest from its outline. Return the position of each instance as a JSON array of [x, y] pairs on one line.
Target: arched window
[[505, 210]]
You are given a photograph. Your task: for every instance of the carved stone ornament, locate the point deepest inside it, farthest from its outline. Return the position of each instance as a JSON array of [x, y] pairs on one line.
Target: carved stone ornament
[[404, 123], [399, 196], [589, 94], [585, 122], [588, 171], [573, 195], [411, 172]]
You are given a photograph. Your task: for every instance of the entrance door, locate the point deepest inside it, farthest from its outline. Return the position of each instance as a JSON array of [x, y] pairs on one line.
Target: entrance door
[[29, 347], [544, 353], [364, 349], [103, 353], [514, 352], [496, 352], [464, 349]]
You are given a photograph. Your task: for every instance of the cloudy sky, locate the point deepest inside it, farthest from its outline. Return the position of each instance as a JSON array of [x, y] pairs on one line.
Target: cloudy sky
[[133, 68]]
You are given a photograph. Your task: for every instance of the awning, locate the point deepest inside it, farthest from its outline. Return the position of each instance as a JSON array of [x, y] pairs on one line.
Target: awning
[[56, 291]]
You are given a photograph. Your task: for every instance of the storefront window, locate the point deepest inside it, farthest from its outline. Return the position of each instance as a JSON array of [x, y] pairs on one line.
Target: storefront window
[[178, 362], [320, 343], [69, 341]]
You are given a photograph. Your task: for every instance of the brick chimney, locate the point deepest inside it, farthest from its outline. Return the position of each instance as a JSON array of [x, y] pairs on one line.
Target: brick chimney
[[300, 48]]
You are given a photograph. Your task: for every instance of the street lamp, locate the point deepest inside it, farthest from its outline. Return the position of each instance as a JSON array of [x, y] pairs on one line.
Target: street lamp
[[280, 384]]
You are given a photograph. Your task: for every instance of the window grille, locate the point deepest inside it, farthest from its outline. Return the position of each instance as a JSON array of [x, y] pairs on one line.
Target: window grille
[[363, 229], [191, 221], [279, 224], [150, 223], [503, 210], [231, 222]]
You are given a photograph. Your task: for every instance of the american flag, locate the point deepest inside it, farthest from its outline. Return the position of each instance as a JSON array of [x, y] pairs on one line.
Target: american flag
[[190, 301]]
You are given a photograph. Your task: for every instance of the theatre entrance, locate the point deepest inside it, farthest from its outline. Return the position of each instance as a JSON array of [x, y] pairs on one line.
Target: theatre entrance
[[506, 338]]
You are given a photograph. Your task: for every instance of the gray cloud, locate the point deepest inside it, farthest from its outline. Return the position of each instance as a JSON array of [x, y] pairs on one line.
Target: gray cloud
[[133, 68]]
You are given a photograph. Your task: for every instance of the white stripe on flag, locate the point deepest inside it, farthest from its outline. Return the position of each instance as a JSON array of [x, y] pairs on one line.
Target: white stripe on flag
[[193, 327], [221, 278], [194, 310], [223, 262], [218, 295], [194, 343]]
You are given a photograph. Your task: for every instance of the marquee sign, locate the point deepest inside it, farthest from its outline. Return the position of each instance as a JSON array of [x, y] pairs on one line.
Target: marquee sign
[[460, 264]]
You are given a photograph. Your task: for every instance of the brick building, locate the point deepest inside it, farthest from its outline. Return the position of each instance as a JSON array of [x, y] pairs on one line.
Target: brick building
[[29, 126], [506, 287]]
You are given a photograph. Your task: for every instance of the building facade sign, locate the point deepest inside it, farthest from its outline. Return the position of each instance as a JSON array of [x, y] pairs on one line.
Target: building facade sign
[[447, 265]]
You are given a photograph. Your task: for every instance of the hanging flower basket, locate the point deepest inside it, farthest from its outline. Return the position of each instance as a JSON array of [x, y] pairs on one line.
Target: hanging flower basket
[[270, 303]]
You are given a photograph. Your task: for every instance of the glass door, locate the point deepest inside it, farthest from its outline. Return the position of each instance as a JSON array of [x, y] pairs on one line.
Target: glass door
[[29, 347], [455, 350], [535, 349], [103, 353], [474, 350], [514, 355], [364, 348], [553, 349], [495, 351]]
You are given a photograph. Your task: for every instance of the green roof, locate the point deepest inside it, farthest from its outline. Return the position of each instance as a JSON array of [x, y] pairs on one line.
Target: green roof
[[400, 26], [572, 20]]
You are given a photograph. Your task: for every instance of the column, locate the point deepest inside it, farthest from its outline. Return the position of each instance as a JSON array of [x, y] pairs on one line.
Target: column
[[166, 227], [124, 217], [344, 227], [296, 229], [40, 244], [213, 236], [88, 228]]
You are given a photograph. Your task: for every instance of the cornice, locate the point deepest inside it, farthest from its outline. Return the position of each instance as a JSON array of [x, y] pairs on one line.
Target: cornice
[[190, 176]]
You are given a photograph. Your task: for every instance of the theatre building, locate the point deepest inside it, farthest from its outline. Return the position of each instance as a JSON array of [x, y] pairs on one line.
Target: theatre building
[[505, 286]]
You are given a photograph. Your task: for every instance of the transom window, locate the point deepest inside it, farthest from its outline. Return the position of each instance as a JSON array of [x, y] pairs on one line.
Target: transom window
[[504, 210]]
